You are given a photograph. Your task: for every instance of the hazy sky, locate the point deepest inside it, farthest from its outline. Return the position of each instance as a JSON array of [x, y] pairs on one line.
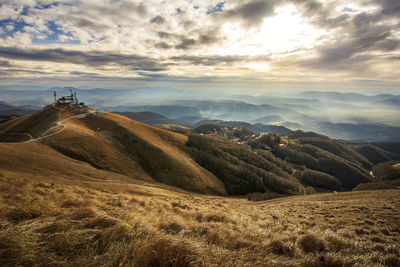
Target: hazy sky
[[239, 44]]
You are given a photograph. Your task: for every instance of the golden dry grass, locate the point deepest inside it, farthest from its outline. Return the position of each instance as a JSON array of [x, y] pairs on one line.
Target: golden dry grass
[[104, 148], [89, 151], [73, 225]]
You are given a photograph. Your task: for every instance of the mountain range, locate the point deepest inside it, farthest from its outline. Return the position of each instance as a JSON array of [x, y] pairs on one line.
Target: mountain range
[[347, 116]]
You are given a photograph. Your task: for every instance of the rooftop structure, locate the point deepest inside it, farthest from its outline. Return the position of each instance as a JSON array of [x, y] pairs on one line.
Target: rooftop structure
[[63, 100]]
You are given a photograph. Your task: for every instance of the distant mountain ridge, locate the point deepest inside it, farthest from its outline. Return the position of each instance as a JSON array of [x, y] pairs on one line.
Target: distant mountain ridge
[[337, 114]]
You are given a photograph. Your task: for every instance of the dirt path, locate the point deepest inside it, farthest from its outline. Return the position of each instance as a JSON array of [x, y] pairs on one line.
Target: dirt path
[[59, 123]]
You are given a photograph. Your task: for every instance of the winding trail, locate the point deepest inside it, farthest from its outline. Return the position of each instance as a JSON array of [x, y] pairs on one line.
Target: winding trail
[[58, 123]]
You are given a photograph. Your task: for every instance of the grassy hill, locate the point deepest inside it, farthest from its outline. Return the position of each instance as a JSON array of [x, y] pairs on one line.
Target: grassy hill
[[152, 118], [112, 145], [103, 145]]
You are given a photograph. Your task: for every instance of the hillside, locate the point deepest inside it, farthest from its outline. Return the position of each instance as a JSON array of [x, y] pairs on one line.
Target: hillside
[[123, 224], [91, 145], [238, 162], [152, 118]]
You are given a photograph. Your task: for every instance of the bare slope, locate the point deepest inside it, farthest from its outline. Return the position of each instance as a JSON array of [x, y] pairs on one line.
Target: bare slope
[[99, 144]]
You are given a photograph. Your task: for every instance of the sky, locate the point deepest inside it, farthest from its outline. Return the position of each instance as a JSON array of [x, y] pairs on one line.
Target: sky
[[233, 45]]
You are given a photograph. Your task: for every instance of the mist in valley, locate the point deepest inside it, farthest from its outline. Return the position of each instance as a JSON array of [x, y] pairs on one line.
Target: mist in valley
[[348, 116]]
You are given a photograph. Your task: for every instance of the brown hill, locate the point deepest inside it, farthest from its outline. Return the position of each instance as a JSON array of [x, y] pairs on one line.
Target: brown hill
[[82, 145]]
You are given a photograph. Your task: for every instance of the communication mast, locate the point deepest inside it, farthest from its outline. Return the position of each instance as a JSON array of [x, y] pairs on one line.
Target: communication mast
[[71, 100]]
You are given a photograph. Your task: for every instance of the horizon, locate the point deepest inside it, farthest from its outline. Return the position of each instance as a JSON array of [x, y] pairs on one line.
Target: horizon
[[223, 46]]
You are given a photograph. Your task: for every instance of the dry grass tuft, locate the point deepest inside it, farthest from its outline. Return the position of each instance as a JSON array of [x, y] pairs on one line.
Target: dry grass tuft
[[163, 251], [43, 185], [101, 222], [324, 261], [281, 248], [333, 261], [213, 217], [72, 202], [28, 212], [171, 227], [10, 250], [115, 234], [336, 244], [58, 226], [392, 261], [83, 213], [311, 243], [71, 243]]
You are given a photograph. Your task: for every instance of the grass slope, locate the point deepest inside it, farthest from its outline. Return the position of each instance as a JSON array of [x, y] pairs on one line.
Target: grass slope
[[129, 225], [101, 143]]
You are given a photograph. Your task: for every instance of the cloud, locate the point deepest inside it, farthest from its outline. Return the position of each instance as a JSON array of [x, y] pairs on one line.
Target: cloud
[[5, 63], [389, 7], [358, 38], [238, 37], [210, 60], [93, 58], [193, 39], [250, 13]]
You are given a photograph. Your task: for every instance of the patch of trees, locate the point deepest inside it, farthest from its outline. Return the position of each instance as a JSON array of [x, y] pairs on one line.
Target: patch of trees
[[339, 149], [321, 179], [386, 171], [312, 157], [373, 153], [393, 148], [269, 140], [242, 169]]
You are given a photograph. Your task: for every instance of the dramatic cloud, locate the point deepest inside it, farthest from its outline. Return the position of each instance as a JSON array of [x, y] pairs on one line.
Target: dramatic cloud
[[252, 12], [210, 60], [94, 59], [257, 40]]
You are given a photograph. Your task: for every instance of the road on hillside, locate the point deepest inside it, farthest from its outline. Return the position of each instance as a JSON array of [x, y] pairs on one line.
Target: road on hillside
[[59, 123]]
